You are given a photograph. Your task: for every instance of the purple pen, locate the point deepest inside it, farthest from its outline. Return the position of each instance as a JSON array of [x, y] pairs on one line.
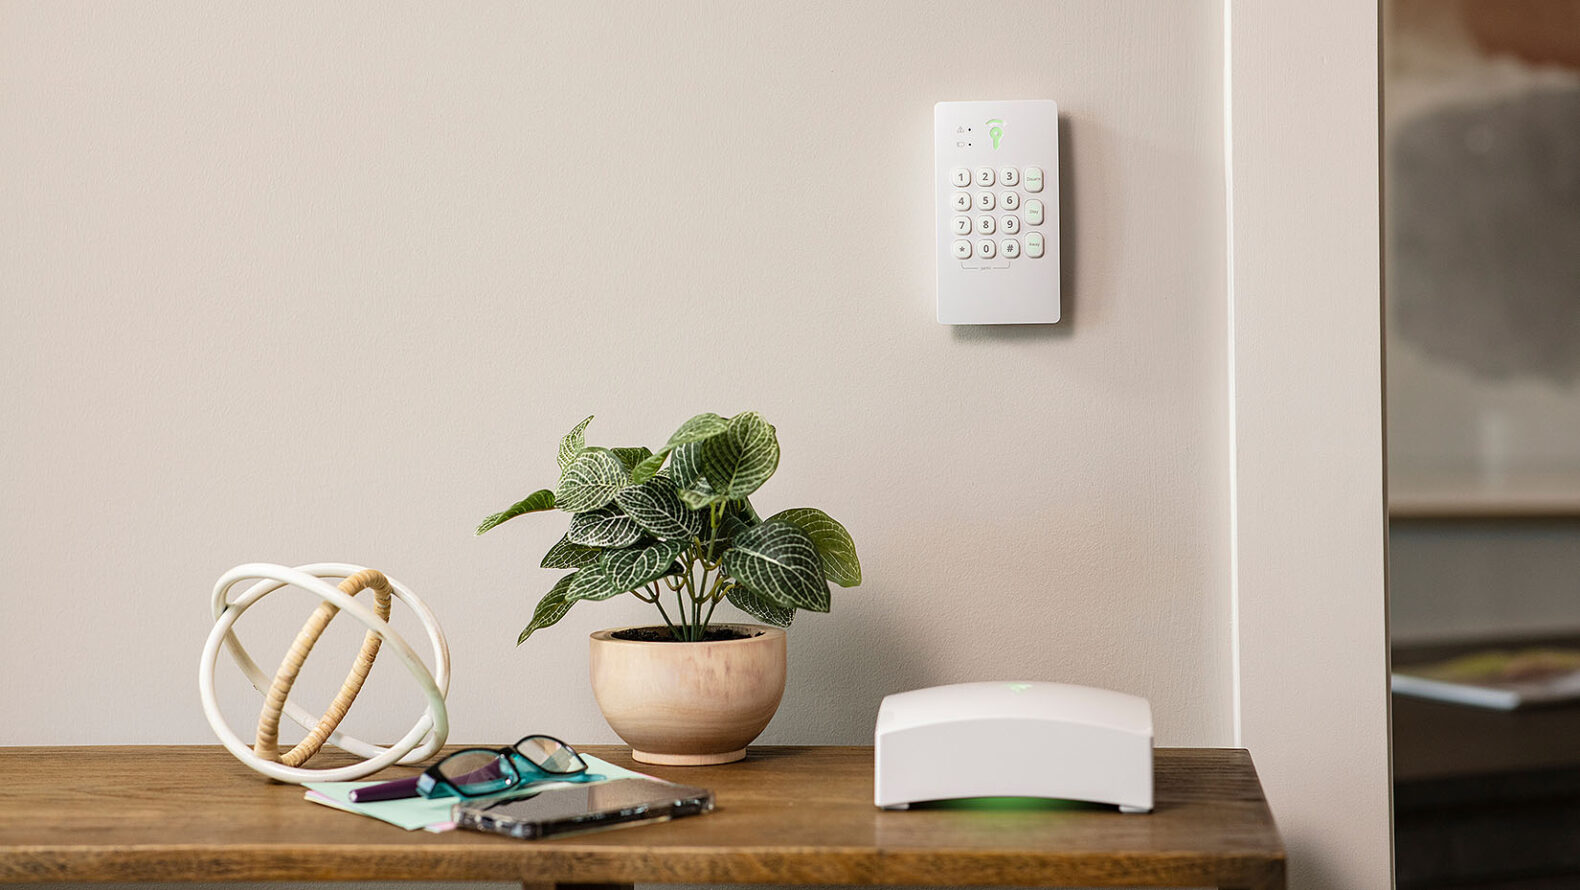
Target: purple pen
[[393, 790]]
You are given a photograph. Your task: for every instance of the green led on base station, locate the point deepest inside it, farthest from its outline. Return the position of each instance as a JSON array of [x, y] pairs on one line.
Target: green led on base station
[[1009, 804]]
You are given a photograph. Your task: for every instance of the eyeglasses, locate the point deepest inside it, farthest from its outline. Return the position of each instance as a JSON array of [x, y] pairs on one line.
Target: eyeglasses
[[482, 772]]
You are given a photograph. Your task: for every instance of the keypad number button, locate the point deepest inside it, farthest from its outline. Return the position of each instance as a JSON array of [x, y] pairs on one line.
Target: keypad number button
[[985, 177], [986, 249], [984, 225], [961, 202], [960, 177], [1033, 179], [1009, 176], [962, 250], [1009, 200], [1033, 212], [984, 201], [1009, 248], [1010, 225], [1034, 245], [962, 225]]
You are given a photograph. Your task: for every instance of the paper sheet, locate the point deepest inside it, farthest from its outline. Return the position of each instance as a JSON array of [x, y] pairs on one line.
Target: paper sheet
[[433, 815]]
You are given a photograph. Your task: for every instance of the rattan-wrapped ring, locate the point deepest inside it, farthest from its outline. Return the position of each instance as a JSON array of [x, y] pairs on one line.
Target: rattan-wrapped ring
[[424, 739]]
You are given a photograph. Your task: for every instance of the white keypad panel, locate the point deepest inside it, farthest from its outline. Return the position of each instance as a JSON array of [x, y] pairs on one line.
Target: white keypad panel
[[994, 197], [996, 211]]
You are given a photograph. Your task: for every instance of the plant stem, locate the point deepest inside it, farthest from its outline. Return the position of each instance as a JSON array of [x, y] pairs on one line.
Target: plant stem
[[667, 623]]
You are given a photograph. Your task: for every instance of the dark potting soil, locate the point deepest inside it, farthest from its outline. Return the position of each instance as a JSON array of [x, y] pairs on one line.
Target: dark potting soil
[[662, 635]]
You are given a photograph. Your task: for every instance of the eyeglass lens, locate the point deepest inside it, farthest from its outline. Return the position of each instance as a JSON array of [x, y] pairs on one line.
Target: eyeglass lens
[[550, 755], [478, 772]]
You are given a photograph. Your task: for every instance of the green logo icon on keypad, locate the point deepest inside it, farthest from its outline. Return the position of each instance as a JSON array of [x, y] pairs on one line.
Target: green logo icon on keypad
[[996, 130]]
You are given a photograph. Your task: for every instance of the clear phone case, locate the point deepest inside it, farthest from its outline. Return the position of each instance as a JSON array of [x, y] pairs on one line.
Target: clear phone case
[[563, 811]]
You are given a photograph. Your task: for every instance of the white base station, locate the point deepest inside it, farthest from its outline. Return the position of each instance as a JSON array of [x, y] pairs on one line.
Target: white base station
[[1014, 739]]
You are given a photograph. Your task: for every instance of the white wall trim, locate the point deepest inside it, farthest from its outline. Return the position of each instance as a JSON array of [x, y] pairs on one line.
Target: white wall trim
[[1307, 515]]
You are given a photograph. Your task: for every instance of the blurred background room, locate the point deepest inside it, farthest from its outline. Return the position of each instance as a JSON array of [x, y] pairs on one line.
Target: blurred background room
[[1482, 221]]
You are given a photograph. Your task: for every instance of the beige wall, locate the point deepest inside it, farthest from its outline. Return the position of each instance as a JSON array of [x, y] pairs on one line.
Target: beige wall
[[1309, 536], [298, 284]]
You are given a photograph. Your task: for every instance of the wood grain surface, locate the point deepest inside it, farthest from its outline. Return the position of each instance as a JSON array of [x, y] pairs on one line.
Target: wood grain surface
[[784, 815]]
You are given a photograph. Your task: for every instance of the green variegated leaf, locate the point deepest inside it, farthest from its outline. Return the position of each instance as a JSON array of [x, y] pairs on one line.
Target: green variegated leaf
[[571, 445], [730, 525], [685, 468], [607, 527], [592, 583], [649, 468], [779, 562], [835, 548], [565, 555], [694, 430], [632, 457], [532, 503], [633, 567], [550, 609], [590, 481], [656, 507], [760, 608], [739, 460]]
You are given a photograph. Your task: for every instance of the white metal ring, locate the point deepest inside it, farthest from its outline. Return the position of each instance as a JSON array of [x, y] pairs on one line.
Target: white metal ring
[[426, 736]]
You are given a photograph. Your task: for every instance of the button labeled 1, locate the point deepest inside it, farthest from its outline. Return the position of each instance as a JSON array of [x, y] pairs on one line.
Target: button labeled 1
[[960, 177]]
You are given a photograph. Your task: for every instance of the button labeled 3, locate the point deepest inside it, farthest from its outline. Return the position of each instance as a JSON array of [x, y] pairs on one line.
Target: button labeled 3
[[1009, 176]]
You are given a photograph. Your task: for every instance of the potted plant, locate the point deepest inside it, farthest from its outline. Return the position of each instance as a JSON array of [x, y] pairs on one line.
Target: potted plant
[[676, 528]]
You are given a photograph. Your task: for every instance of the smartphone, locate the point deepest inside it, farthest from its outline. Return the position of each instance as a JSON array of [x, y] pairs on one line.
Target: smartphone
[[561, 811]]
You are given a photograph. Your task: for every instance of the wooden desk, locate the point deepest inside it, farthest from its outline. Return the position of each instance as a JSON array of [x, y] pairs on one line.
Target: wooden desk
[[784, 815]]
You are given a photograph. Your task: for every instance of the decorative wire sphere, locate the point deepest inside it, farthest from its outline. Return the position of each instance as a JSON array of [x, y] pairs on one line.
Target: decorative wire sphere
[[424, 739]]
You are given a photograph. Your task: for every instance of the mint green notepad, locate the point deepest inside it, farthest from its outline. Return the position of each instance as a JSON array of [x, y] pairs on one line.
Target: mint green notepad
[[433, 815]]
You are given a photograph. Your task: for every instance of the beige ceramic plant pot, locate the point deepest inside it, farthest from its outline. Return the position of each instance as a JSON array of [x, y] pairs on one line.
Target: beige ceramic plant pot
[[689, 704]]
